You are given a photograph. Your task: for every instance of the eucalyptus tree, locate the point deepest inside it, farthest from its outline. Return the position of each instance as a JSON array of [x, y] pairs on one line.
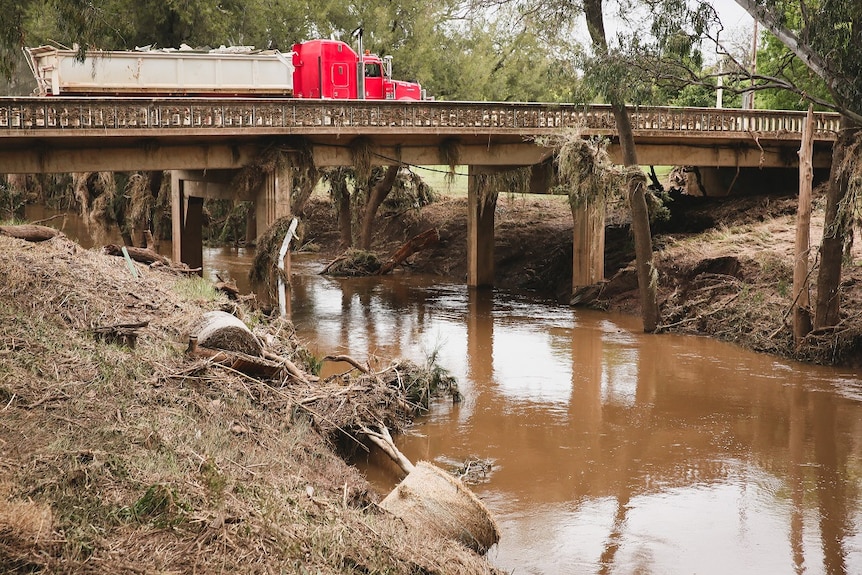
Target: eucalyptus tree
[[636, 181]]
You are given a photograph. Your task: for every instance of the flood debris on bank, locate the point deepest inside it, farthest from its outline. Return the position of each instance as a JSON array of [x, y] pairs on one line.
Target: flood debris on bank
[[746, 303], [147, 459]]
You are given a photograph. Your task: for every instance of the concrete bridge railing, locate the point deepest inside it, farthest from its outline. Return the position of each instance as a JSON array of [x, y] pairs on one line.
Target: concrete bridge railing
[[166, 114]]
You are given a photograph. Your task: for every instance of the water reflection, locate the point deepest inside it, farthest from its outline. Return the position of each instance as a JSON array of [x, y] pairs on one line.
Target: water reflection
[[616, 452]]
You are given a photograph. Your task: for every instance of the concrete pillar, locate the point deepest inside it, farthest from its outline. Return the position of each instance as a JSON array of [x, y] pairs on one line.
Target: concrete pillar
[[186, 221], [272, 200], [588, 243], [480, 231]]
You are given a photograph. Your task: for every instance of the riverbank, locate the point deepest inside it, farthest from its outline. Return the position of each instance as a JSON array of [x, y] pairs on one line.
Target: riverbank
[[126, 455], [725, 264]]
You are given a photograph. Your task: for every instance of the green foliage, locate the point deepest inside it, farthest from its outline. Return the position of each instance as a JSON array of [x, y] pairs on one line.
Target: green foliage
[[213, 479], [227, 221], [775, 60]]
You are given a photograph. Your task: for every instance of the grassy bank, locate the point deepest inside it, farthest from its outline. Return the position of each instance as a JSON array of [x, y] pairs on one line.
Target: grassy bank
[[120, 458]]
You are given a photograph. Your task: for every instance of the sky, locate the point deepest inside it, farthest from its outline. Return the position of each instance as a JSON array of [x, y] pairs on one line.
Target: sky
[[732, 16]]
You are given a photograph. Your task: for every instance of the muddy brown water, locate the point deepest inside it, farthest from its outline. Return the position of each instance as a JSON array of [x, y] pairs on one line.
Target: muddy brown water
[[610, 451]]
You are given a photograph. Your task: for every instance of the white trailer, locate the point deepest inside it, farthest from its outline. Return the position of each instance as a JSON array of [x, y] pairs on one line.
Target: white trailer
[[226, 71]]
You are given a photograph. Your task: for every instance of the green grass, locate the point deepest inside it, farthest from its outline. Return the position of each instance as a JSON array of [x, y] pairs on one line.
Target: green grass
[[436, 177], [196, 288]]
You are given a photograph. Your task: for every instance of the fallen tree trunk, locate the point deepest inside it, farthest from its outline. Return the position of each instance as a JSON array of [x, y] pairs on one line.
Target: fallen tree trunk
[[142, 255], [30, 232], [221, 330], [415, 244]]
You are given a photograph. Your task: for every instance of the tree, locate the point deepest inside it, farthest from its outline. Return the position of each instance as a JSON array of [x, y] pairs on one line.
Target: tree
[[636, 182], [828, 39]]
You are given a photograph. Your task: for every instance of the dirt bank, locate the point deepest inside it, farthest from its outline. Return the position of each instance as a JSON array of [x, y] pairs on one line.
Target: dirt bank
[[725, 264], [141, 459]]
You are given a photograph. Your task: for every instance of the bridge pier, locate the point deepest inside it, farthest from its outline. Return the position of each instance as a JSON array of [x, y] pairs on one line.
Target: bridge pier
[[481, 203], [190, 187], [588, 244], [272, 199], [186, 222]]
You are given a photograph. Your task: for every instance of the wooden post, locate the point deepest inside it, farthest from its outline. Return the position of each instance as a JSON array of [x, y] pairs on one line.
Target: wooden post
[[801, 303]]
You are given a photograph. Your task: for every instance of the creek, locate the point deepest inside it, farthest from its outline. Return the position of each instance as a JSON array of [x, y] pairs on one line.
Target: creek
[[609, 451]]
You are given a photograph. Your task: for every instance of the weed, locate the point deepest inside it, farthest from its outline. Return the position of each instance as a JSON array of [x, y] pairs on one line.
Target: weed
[[196, 288], [213, 479], [159, 504], [312, 363]]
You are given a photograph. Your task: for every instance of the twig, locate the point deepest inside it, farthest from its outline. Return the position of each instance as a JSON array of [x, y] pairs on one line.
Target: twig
[[54, 217], [347, 359], [332, 263]]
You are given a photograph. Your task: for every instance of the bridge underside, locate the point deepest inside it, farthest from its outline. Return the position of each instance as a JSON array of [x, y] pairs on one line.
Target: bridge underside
[[205, 141], [95, 153]]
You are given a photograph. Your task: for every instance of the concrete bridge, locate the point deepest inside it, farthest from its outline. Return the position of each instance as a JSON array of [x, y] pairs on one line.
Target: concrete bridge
[[205, 140]]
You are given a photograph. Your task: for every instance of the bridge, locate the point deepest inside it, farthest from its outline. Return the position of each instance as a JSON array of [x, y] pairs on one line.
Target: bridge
[[205, 140]]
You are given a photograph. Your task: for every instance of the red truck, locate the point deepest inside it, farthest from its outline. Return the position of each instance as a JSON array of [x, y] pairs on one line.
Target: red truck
[[328, 69], [331, 69]]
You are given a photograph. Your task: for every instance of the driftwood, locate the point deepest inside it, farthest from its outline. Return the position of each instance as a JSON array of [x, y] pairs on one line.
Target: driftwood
[[142, 255], [348, 359], [383, 439], [228, 287], [340, 258], [30, 232], [122, 333], [242, 362], [291, 367], [430, 499], [415, 244]]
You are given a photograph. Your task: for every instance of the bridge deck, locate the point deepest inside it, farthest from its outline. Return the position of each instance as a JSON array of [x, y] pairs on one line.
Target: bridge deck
[[42, 125]]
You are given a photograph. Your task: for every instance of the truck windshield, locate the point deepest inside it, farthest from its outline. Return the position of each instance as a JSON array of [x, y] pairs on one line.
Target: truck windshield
[[372, 71]]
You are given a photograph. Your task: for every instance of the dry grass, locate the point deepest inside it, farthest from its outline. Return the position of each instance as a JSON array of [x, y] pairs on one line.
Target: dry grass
[[735, 283], [141, 460]]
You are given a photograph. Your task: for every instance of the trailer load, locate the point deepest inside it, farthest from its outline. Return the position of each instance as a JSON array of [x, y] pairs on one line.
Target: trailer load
[[314, 69]]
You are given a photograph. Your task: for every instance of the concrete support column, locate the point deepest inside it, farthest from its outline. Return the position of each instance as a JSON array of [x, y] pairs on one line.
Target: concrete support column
[[186, 221], [481, 204], [588, 243], [272, 200]]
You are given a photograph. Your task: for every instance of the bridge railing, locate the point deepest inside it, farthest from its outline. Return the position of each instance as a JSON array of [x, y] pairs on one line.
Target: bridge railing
[[109, 114]]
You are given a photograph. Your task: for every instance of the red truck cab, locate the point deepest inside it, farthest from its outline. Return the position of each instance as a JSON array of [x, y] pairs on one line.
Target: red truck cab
[[330, 69]]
